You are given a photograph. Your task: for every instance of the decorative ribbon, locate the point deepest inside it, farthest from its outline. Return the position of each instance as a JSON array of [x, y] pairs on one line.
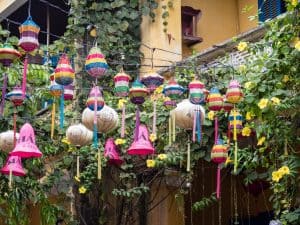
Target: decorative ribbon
[[188, 166], [3, 94], [199, 126], [154, 118], [53, 119], [216, 129], [137, 123], [24, 76], [61, 109], [123, 121], [15, 126], [218, 181], [99, 165], [194, 126], [95, 137]]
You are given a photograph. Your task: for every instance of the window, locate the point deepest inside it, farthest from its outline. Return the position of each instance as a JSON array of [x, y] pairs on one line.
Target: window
[[189, 20], [269, 9]]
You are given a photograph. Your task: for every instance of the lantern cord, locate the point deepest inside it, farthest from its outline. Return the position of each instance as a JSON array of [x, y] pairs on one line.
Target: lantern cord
[[95, 120], [53, 119], [15, 126], [154, 118], [174, 126], [188, 166], [194, 126], [152, 55], [235, 140], [220, 211], [24, 76], [218, 181], [99, 164], [170, 130], [137, 123], [216, 129], [3, 94], [29, 8], [61, 109], [123, 121]]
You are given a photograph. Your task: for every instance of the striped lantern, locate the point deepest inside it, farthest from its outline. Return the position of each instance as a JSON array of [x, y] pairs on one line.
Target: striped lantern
[[95, 64], [16, 96], [64, 73], [227, 106], [219, 155], [95, 100], [234, 93], [197, 95], [236, 121], [138, 92], [169, 104], [121, 81], [55, 89], [173, 90], [215, 100], [69, 92], [152, 80], [29, 32]]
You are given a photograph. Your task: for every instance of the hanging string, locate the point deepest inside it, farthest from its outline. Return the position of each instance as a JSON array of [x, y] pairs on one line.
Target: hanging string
[[10, 178], [216, 129], [24, 76], [218, 181], [15, 125], [188, 166], [99, 174], [170, 130], [95, 119], [174, 126], [199, 126], [61, 108], [77, 165], [29, 8], [137, 123]]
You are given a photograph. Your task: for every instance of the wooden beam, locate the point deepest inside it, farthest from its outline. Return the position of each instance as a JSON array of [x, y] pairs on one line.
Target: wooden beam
[[7, 7]]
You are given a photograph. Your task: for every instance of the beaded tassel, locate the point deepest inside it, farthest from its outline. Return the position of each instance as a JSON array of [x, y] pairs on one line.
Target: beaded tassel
[[77, 167]]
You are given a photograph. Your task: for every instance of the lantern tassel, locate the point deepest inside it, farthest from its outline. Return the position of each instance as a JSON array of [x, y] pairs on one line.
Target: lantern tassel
[[228, 134], [99, 165], [95, 131], [235, 141], [174, 127], [216, 129], [137, 123], [218, 181], [194, 126], [188, 166], [235, 156], [24, 76], [154, 118], [10, 178], [77, 167], [199, 126], [3, 94], [15, 126], [61, 110], [53, 119], [170, 130], [123, 121]]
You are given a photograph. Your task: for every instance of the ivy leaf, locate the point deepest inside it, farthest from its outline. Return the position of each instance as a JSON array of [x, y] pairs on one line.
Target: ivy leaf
[[124, 25]]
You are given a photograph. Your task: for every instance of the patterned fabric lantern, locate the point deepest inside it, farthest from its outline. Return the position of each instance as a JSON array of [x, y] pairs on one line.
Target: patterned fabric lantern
[[169, 104], [69, 92], [121, 84], [219, 155], [235, 124], [234, 93], [138, 92], [196, 89], [13, 166], [64, 73], [29, 41], [173, 90], [152, 80], [227, 106], [95, 64], [111, 152], [215, 100], [7, 140]]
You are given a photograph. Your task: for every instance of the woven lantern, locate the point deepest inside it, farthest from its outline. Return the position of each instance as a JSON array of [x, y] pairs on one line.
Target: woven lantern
[[64, 73], [111, 152], [95, 100], [215, 100], [152, 80], [169, 104], [13, 167], [7, 140], [173, 90], [79, 135], [121, 81], [234, 92], [138, 92], [29, 32], [219, 155], [69, 92], [16, 96], [227, 106], [95, 64], [197, 95]]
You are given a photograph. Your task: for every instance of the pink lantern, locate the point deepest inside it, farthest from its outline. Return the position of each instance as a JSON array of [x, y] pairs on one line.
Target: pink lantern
[[141, 144], [69, 92], [26, 147], [111, 152], [13, 165]]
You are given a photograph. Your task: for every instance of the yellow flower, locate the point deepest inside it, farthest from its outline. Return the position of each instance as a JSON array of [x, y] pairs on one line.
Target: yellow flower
[[71, 149], [249, 115], [261, 141], [162, 156], [159, 89], [246, 131], [263, 103], [228, 161], [152, 137], [211, 115], [284, 170], [297, 45], [275, 100], [248, 85], [77, 178], [82, 190], [120, 141], [285, 78], [294, 3], [121, 103], [242, 68], [276, 176], [150, 163], [242, 46], [65, 141]]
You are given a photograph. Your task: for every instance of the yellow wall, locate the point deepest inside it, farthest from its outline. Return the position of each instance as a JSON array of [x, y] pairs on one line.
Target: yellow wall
[[152, 35], [244, 23]]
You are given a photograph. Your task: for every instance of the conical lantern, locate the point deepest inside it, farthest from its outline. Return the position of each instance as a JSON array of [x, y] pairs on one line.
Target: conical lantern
[[111, 152], [29, 32], [234, 92], [64, 73], [121, 81], [95, 100], [141, 144], [95, 64], [69, 92], [7, 140], [214, 100], [138, 92], [173, 90], [152, 80], [13, 165], [26, 147], [197, 95], [16, 96], [219, 155]]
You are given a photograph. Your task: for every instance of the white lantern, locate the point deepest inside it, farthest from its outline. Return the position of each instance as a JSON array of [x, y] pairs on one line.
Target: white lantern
[[7, 140], [79, 135]]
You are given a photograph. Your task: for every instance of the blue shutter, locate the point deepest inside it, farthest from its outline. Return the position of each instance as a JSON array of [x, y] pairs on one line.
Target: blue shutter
[[270, 9]]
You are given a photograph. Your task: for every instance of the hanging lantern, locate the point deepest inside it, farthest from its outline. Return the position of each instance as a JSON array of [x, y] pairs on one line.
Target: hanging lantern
[[111, 152], [29, 32], [69, 92], [95, 64], [121, 84], [14, 165], [173, 90], [219, 155], [234, 93], [197, 95], [7, 140], [107, 119], [26, 147], [169, 104], [8, 55], [64, 73], [215, 100], [138, 92], [16, 96], [227, 106], [79, 135], [95, 95], [152, 80], [141, 144]]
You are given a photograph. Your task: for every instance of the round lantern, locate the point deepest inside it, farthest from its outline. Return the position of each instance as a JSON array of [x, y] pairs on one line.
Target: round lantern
[[173, 90], [56, 89], [234, 93], [138, 92], [237, 118], [215, 100], [107, 119], [227, 106], [184, 113], [95, 64], [29, 32], [79, 135], [95, 95], [64, 73], [7, 140], [169, 104], [8, 54], [197, 95], [121, 84], [219, 152], [152, 80], [16, 96], [69, 92]]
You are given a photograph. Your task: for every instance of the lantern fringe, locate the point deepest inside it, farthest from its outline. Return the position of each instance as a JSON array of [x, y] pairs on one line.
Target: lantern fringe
[[154, 118], [218, 181], [137, 123], [24, 76], [194, 126], [53, 119], [61, 110], [188, 166], [99, 165], [78, 167], [123, 121], [3, 94]]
